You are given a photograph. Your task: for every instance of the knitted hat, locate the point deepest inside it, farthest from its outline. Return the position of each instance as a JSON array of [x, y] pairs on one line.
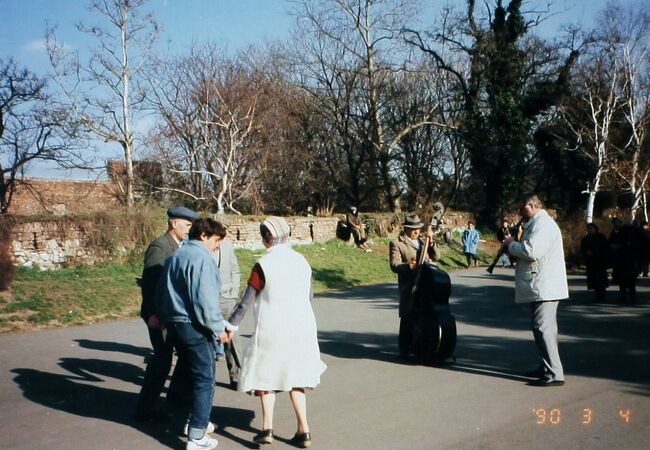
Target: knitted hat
[[277, 227]]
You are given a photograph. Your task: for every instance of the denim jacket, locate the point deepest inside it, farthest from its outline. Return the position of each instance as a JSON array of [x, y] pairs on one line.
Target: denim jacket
[[189, 288]]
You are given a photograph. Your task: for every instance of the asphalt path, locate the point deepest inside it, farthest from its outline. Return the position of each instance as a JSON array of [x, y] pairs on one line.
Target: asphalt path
[[76, 387]]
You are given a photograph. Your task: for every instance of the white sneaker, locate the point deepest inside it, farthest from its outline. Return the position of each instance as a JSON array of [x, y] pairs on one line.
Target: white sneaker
[[209, 429], [205, 443]]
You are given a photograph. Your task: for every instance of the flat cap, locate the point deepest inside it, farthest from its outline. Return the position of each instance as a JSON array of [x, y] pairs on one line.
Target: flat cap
[[182, 213]]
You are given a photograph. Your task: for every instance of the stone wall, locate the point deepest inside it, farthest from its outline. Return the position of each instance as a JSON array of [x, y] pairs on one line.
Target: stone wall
[[304, 230], [61, 242], [52, 244]]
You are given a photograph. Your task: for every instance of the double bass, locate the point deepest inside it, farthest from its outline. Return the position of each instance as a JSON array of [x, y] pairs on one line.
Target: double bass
[[434, 330]]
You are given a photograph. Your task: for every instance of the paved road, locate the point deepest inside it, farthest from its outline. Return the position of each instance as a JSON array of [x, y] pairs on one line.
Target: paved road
[[76, 387]]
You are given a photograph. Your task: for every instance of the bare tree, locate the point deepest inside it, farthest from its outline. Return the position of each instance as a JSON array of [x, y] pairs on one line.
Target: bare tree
[[608, 116], [590, 114], [352, 47], [104, 92], [213, 110], [32, 127], [632, 28]]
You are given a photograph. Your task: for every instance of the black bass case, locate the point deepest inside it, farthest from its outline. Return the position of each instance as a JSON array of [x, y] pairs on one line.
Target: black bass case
[[434, 331]]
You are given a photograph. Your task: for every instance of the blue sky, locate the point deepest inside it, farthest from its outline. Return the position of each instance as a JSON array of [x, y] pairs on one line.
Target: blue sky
[[234, 23]]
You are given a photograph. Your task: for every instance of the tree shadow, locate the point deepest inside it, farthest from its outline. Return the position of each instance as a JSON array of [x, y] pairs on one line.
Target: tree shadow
[[333, 278], [606, 341]]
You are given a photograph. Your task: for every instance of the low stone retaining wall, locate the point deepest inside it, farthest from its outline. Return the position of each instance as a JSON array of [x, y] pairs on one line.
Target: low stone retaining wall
[[59, 243], [62, 242]]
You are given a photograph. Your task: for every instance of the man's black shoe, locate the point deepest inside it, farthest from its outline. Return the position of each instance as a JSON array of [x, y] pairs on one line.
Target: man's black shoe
[[546, 382]]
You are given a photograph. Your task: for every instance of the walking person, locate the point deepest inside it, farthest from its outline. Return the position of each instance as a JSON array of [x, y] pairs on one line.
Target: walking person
[[283, 355], [469, 241], [540, 281], [502, 234], [179, 221], [228, 265], [404, 253], [194, 322]]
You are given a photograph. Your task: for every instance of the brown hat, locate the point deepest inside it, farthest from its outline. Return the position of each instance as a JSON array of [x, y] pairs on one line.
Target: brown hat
[[412, 222]]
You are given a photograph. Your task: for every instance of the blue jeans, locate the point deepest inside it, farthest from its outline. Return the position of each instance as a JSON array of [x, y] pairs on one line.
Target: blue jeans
[[156, 373], [198, 348]]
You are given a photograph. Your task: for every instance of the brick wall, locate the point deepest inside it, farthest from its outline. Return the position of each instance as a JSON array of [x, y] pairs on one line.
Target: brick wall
[[62, 197]]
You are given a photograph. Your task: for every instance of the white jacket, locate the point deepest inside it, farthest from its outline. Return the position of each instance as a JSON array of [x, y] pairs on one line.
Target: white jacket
[[540, 273]]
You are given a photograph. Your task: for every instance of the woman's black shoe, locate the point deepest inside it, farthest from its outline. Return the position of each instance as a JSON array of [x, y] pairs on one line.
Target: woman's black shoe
[[302, 440], [265, 437]]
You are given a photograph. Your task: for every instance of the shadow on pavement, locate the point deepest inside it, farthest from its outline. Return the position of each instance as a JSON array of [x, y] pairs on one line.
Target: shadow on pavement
[[114, 347], [598, 340], [79, 393]]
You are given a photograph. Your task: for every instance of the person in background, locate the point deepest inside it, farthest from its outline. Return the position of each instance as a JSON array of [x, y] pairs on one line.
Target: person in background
[[594, 250], [469, 240], [179, 221], [541, 282], [356, 229], [404, 253], [502, 234], [283, 354], [625, 246], [228, 265], [193, 319]]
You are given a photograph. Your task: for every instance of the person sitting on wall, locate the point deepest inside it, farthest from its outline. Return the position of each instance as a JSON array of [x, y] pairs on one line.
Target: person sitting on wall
[[355, 225]]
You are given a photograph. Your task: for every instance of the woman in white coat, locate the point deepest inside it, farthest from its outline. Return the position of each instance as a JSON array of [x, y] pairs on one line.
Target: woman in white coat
[[283, 354]]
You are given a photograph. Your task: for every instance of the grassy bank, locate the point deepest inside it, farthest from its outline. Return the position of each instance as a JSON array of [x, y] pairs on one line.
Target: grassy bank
[[84, 295]]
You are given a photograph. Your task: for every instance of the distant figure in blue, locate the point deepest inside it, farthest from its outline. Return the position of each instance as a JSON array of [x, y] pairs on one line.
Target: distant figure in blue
[[469, 241]]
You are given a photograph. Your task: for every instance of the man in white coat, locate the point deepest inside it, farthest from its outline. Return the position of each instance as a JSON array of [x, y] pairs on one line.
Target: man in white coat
[[540, 280]]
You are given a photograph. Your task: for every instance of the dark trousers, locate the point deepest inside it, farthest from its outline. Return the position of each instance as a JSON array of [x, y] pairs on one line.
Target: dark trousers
[[357, 236], [199, 351], [471, 257], [232, 361], [156, 373], [405, 339]]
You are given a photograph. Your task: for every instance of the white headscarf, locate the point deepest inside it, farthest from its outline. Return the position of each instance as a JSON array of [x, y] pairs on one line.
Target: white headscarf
[[279, 229]]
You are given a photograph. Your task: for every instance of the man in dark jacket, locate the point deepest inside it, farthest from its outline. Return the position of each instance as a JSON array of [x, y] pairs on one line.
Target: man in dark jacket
[[594, 249], [625, 246], [178, 225]]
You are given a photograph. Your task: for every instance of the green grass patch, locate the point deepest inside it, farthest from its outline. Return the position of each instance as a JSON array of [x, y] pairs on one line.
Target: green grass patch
[[90, 294]]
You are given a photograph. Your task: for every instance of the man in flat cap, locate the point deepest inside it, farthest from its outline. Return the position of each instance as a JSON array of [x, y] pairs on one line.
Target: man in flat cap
[[179, 223]]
